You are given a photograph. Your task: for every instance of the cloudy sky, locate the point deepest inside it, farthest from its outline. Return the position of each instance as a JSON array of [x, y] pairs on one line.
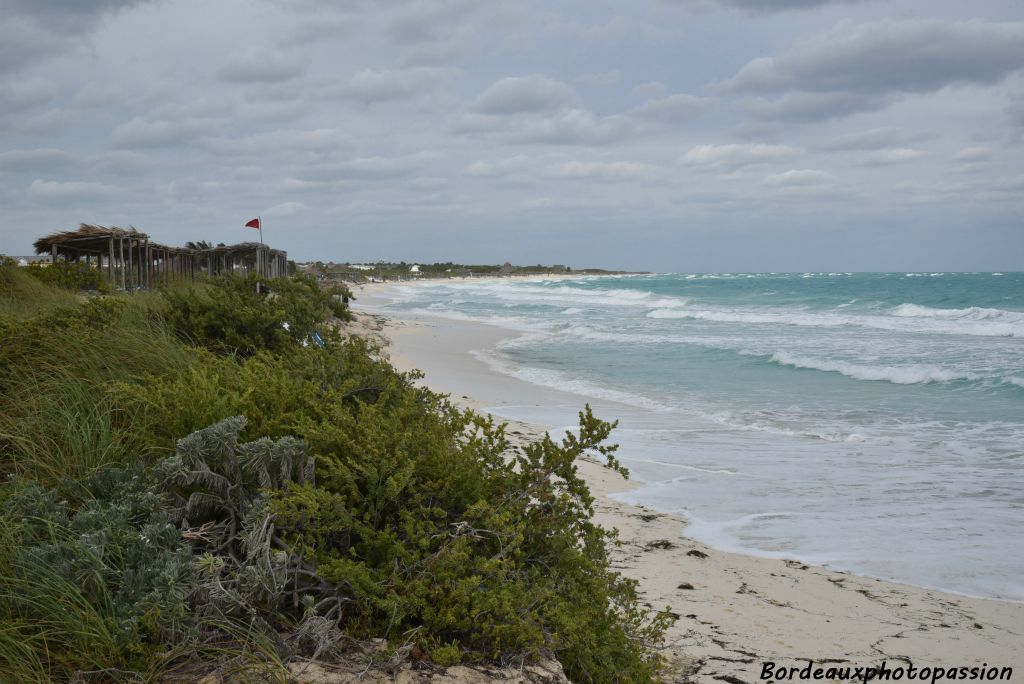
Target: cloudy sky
[[696, 135]]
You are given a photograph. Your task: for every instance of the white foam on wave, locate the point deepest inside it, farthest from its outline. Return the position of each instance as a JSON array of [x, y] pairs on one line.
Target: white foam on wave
[[899, 375], [565, 382], [567, 294], [973, 313], [975, 321]]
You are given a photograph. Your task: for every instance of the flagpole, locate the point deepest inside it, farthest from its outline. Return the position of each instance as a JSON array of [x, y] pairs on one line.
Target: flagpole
[[260, 224]]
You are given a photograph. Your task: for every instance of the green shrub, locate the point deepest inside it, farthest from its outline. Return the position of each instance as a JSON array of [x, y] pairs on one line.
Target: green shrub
[[71, 275], [230, 316]]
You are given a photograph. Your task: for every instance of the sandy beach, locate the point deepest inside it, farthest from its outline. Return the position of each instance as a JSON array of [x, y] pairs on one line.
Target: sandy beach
[[736, 612]]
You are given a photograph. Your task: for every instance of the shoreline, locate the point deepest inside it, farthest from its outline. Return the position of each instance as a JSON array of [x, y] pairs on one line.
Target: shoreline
[[736, 610]]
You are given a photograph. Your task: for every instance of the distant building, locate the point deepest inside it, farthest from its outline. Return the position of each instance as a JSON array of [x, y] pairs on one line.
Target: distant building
[[26, 260], [559, 268], [507, 269], [415, 268]]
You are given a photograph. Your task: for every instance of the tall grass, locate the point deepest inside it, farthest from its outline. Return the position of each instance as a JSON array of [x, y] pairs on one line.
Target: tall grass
[[50, 628], [59, 418]]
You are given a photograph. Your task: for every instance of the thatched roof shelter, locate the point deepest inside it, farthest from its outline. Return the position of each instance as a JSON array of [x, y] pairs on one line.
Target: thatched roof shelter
[[133, 262], [88, 238]]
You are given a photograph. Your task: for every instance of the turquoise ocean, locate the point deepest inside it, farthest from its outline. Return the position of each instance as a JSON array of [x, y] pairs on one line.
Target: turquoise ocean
[[870, 422]]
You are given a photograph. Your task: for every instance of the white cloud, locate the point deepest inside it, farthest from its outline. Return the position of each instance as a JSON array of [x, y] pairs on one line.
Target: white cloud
[[365, 168], [972, 155], [498, 168], [737, 155], [571, 127], [284, 209], [799, 178], [370, 85], [521, 94], [895, 155], [611, 171]]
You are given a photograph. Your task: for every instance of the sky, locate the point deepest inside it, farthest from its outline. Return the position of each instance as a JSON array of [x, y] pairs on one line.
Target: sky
[[668, 135]]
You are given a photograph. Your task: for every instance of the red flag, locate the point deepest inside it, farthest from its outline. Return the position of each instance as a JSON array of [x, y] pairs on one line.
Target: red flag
[[255, 223]]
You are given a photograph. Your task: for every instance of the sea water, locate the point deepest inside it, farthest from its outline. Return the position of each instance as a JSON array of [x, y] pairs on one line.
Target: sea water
[[868, 422]]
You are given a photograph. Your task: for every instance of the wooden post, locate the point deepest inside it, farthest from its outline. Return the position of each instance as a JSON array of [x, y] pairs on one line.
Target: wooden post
[[120, 244], [110, 263]]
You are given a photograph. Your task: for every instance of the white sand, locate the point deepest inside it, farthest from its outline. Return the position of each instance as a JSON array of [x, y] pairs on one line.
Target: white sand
[[742, 611]]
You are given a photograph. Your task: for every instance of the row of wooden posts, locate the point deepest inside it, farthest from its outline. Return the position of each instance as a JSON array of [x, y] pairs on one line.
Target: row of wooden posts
[[133, 262]]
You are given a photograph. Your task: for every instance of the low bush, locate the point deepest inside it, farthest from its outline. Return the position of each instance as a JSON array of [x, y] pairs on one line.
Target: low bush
[[71, 275], [231, 316]]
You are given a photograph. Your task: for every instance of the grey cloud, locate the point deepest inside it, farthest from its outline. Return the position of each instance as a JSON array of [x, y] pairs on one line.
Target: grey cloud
[[264, 66], [420, 21], [571, 127], [318, 141], [762, 5], [40, 159], [71, 16], [23, 44], [33, 30], [651, 89], [312, 29], [894, 155], [66, 192], [365, 168], [873, 139], [808, 107], [519, 94], [537, 109], [909, 56], [370, 85], [22, 95], [94, 94], [674, 108], [121, 163], [142, 133], [600, 80]]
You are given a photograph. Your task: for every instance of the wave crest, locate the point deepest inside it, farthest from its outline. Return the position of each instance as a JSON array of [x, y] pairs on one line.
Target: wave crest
[[899, 375]]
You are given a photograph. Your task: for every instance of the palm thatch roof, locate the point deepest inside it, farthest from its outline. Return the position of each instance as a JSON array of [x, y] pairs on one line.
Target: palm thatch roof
[[86, 238], [244, 248]]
